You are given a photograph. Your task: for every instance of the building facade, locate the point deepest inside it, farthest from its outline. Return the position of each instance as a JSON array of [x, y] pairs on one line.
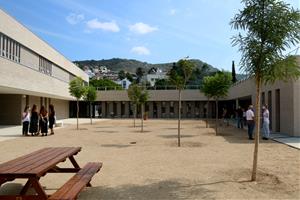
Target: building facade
[[31, 72]]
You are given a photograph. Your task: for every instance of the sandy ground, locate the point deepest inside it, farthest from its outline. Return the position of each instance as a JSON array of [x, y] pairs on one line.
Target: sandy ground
[[149, 165]]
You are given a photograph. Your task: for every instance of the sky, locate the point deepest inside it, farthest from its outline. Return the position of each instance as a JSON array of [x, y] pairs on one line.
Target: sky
[[154, 31]]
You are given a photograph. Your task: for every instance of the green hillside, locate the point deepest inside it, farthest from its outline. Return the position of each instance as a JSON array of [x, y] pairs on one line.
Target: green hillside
[[129, 65]]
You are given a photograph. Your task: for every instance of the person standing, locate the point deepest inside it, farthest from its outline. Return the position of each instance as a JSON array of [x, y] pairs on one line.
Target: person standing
[[266, 123], [250, 121], [239, 113], [25, 121], [51, 118], [44, 121], [34, 120]]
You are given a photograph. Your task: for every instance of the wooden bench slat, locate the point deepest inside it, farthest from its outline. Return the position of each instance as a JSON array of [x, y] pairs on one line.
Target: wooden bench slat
[[71, 189]]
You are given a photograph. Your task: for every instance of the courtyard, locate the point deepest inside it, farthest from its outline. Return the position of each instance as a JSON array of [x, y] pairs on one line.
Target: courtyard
[[149, 165]]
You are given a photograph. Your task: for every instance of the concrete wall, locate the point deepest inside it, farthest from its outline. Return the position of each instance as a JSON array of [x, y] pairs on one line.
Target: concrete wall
[[296, 107], [23, 80], [15, 30], [11, 109], [61, 108]]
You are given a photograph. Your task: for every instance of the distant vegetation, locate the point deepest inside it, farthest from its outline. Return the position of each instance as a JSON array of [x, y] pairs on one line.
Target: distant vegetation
[[103, 84]]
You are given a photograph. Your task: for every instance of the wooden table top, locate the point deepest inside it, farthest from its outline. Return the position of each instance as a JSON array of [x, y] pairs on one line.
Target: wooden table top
[[36, 163]]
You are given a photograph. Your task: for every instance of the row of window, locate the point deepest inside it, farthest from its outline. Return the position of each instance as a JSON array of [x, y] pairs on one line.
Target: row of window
[[45, 66], [9, 48]]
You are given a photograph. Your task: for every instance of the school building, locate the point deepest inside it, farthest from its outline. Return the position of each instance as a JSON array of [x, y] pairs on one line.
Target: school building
[[33, 72]]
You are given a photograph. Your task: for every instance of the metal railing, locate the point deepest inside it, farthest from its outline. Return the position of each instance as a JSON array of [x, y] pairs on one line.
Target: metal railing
[[166, 87]]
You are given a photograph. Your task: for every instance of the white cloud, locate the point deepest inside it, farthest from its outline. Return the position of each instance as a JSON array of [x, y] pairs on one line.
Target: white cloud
[[73, 18], [141, 28], [140, 50], [173, 12], [106, 26]]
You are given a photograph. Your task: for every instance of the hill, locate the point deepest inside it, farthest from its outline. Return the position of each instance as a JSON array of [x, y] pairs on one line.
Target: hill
[[130, 65]]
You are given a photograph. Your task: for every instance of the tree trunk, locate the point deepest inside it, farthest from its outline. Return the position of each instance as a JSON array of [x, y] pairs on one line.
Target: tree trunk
[[77, 112], [134, 115], [179, 117], [142, 117], [217, 117], [257, 127], [91, 112], [207, 113]]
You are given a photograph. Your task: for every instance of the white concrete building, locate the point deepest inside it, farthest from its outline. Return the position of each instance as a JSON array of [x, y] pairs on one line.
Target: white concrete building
[[31, 72]]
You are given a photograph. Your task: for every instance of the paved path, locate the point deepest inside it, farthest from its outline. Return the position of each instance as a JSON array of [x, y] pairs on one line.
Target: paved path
[[13, 132]]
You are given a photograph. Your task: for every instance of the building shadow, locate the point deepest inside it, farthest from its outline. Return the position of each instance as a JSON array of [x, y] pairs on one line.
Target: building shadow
[[169, 189]]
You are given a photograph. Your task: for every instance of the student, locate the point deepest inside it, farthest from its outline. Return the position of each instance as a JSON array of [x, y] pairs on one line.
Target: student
[[250, 121], [44, 121], [51, 118], [25, 120], [266, 123], [34, 120]]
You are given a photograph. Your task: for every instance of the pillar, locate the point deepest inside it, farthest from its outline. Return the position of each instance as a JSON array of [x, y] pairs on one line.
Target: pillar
[[103, 109], [118, 114], [158, 109], [150, 113]]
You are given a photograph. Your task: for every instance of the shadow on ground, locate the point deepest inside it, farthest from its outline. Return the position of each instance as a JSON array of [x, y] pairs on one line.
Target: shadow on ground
[[116, 145], [175, 136], [170, 189]]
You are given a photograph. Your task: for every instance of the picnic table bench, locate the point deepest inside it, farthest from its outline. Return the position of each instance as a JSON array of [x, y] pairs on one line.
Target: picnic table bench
[[37, 164]]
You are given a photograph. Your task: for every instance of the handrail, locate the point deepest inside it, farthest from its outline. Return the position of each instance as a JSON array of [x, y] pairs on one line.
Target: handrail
[[166, 87]]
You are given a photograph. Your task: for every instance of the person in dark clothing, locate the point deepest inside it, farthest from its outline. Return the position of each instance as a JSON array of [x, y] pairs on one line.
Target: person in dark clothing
[[51, 118], [240, 123], [44, 121], [34, 120]]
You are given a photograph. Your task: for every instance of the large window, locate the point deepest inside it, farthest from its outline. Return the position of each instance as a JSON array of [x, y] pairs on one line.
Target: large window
[[9, 48], [45, 66]]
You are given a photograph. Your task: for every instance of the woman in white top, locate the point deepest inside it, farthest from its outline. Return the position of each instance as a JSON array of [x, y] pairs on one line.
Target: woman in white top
[[25, 120], [266, 123]]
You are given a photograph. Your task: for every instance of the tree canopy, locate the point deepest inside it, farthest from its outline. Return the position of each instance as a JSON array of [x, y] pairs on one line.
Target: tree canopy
[[216, 86], [76, 88], [181, 73]]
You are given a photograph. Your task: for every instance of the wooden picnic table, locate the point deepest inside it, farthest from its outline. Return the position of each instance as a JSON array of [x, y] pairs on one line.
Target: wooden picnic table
[[34, 166]]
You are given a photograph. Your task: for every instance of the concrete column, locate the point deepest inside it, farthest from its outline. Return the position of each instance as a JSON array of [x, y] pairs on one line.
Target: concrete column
[[118, 114], [184, 109], [176, 109], [103, 109], [167, 109], [150, 113], [193, 109], [126, 109], [158, 109], [110, 108]]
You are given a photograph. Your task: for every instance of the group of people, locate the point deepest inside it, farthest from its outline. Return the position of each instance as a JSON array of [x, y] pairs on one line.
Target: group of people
[[36, 122], [251, 122], [247, 117]]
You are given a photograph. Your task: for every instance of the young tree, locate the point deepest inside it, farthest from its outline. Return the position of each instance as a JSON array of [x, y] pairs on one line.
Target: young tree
[[121, 75], [180, 77], [76, 89], [139, 74], [233, 74], [268, 28], [134, 92], [90, 95], [216, 87], [205, 89], [143, 98]]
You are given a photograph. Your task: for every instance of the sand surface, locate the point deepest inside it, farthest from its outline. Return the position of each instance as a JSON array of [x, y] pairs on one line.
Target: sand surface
[[149, 165]]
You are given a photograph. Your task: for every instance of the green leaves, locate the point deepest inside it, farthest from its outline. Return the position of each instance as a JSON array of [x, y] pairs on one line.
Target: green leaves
[[216, 86], [180, 75], [90, 93], [76, 88], [268, 28], [137, 94]]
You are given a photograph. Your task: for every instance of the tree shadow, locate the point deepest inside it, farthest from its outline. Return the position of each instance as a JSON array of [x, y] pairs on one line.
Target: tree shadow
[[104, 131], [170, 189], [116, 145], [105, 127], [175, 136]]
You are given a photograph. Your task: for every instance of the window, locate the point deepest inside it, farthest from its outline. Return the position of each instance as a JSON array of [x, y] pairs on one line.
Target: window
[[45, 66], [9, 48]]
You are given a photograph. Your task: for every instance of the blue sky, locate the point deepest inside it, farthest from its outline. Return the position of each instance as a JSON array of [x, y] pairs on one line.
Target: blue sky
[[154, 31]]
